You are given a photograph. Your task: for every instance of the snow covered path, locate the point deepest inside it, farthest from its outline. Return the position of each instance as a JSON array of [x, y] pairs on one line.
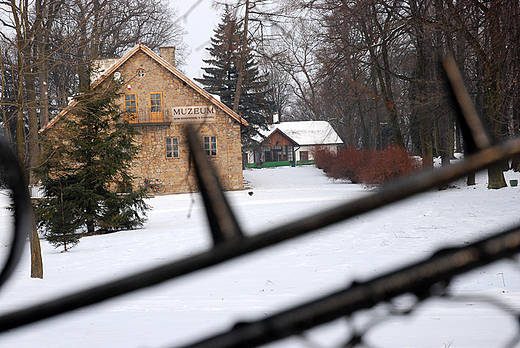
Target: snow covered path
[[274, 279]]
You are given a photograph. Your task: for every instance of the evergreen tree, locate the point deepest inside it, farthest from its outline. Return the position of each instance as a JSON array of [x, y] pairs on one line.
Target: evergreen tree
[[83, 166], [58, 214], [221, 76]]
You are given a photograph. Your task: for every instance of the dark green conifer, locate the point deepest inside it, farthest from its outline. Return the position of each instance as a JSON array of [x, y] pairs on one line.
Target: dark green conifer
[[83, 167], [221, 76]]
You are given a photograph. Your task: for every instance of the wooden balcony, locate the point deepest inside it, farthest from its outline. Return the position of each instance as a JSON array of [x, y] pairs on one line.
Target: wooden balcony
[[144, 117], [157, 116]]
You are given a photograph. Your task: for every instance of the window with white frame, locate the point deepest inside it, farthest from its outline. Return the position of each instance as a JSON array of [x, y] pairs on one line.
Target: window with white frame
[[172, 148], [210, 146]]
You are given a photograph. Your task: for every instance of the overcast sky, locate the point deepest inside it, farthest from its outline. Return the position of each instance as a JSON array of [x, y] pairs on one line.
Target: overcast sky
[[199, 24]]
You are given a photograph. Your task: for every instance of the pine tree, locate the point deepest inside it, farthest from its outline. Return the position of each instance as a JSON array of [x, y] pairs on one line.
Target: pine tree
[[57, 213], [221, 76], [83, 165]]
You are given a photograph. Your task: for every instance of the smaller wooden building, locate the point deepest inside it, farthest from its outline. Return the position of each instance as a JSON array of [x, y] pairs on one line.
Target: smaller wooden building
[[295, 141]]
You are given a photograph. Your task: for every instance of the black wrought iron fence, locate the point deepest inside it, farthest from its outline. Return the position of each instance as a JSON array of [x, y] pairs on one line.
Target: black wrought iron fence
[[423, 279]]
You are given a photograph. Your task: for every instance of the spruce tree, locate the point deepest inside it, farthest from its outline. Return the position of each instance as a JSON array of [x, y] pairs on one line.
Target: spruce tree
[[221, 76], [58, 214], [83, 165]]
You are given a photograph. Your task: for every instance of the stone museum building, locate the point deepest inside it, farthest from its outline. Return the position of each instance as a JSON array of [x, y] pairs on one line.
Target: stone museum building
[[159, 101]]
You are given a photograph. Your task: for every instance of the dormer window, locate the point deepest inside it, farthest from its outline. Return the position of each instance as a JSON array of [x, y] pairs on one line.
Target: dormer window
[[141, 72]]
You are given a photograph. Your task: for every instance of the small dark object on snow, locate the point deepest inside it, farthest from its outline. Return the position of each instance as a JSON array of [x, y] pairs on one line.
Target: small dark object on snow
[[250, 193]]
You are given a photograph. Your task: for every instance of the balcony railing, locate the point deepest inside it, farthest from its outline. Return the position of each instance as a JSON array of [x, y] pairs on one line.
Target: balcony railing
[[147, 117]]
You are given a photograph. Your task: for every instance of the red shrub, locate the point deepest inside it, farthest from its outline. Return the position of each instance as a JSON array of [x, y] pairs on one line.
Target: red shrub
[[347, 164], [323, 158], [368, 167]]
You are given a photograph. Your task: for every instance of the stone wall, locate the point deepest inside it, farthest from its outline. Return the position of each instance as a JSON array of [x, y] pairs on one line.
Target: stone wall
[[152, 163]]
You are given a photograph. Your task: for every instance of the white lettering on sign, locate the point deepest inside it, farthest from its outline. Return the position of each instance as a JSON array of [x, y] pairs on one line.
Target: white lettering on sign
[[194, 114]]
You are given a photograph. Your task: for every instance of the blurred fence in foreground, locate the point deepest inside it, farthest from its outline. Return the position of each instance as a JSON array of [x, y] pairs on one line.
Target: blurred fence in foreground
[[424, 279]]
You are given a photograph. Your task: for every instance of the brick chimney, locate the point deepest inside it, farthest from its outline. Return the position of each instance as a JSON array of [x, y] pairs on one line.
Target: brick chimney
[[168, 54]]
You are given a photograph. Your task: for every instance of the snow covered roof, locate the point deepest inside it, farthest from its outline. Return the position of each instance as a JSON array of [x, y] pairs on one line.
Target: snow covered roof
[[307, 132]]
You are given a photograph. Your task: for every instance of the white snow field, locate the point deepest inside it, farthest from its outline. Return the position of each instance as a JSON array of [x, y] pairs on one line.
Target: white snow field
[[248, 288]]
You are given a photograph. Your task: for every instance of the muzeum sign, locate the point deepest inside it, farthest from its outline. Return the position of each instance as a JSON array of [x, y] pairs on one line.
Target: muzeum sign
[[193, 114]]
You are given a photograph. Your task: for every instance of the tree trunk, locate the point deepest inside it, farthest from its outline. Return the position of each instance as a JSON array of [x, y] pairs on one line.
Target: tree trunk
[[471, 179], [8, 134], [33, 122], [34, 239], [90, 225], [26, 83], [515, 163], [390, 102], [36, 252], [496, 178], [44, 85], [241, 61]]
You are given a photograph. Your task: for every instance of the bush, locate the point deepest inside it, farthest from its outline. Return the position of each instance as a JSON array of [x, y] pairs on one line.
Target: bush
[[348, 163], [367, 167], [388, 164], [323, 158]]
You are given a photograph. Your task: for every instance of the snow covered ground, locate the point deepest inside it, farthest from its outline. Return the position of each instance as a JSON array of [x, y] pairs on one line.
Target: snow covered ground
[[192, 307]]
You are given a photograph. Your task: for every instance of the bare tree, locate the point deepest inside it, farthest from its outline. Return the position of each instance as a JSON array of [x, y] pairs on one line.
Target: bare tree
[[21, 44], [295, 53], [371, 67], [491, 30], [278, 94], [47, 47], [359, 53], [252, 16]]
